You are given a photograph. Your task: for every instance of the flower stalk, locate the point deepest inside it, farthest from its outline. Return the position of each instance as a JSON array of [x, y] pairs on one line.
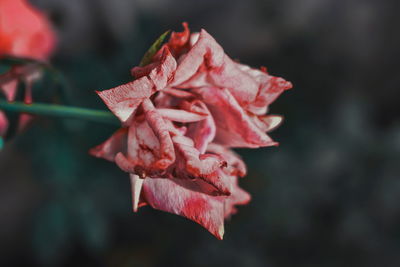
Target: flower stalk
[[60, 111]]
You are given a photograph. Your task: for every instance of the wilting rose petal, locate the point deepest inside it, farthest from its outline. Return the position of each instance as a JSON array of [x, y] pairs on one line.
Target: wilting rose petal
[[183, 198], [160, 71], [192, 164], [148, 154], [235, 165], [240, 84], [267, 95], [180, 115], [204, 50], [161, 130], [115, 144], [178, 93], [202, 132], [136, 187], [234, 127], [267, 123], [123, 100], [179, 40], [238, 197]]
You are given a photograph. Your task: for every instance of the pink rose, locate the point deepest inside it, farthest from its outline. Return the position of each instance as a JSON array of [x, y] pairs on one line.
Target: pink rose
[[26, 33], [180, 116]]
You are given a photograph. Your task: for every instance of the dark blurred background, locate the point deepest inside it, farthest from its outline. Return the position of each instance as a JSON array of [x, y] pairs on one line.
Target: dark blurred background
[[328, 196]]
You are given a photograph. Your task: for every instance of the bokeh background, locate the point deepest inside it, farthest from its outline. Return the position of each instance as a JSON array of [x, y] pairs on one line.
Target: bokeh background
[[328, 196]]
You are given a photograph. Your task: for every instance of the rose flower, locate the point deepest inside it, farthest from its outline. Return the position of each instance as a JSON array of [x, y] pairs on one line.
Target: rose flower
[[180, 117], [24, 33]]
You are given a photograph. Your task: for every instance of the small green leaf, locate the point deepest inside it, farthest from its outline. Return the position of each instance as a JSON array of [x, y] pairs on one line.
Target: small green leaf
[[1, 143], [153, 49]]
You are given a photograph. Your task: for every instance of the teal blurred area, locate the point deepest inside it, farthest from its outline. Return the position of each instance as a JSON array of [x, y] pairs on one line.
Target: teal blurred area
[[327, 196]]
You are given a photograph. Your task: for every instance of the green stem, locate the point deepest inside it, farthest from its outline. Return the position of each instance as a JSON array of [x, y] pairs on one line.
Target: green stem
[[60, 111]]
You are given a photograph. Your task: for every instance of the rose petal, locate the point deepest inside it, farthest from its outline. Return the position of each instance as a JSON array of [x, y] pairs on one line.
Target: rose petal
[[234, 127], [128, 165], [191, 164], [206, 49], [179, 40], [235, 166], [144, 153], [269, 92], [241, 85], [158, 72], [136, 186], [184, 198], [267, 123], [180, 115], [195, 163], [178, 93], [123, 100], [203, 132], [143, 147], [115, 144], [238, 197], [181, 197], [160, 129]]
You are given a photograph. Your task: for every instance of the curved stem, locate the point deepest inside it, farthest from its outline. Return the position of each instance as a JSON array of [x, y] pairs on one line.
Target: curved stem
[[60, 111]]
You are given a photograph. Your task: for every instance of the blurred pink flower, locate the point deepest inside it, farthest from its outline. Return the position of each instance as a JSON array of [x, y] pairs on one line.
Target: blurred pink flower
[[180, 117], [24, 33]]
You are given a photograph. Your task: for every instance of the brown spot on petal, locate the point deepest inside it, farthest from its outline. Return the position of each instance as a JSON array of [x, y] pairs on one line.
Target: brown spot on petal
[[140, 171]]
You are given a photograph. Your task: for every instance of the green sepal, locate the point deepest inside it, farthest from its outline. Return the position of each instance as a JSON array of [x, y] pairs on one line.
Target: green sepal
[[153, 49]]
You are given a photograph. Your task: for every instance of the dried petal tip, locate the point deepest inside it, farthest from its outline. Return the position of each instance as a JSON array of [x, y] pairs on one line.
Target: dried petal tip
[[221, 232], [136, 184]]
